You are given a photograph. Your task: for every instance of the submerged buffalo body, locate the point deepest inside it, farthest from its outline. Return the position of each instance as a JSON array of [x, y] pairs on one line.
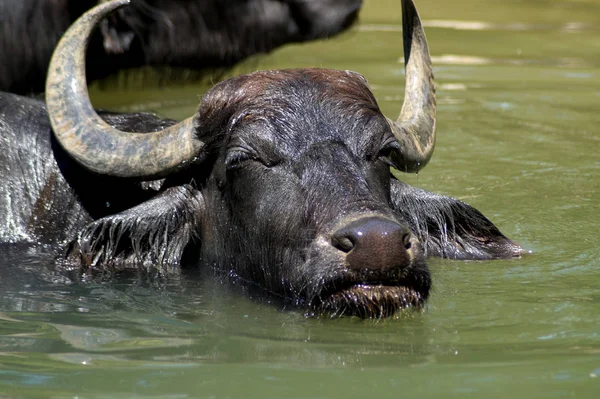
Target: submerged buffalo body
[[196, 34], [281, 179]]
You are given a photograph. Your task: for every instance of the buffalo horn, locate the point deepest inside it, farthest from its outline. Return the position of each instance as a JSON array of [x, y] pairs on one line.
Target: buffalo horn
[[415, 127], [91, 141]]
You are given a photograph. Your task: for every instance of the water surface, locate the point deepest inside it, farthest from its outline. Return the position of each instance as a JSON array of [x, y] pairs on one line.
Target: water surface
[[518, 91]]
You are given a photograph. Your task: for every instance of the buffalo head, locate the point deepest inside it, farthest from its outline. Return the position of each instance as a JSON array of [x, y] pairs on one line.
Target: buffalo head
[[281, 179]]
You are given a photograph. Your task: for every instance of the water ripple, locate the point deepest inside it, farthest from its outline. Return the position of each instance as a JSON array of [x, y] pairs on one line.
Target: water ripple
[[567, 27]]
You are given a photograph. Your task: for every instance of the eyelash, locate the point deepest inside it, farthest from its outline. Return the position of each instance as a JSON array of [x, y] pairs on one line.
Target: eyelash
[[235, 158]]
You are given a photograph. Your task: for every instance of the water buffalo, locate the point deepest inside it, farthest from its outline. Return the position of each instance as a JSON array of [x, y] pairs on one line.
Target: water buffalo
[[281, 180], [196, 34]]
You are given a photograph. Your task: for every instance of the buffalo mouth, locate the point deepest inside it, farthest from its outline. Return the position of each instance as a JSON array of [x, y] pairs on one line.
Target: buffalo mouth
[[370, 301]]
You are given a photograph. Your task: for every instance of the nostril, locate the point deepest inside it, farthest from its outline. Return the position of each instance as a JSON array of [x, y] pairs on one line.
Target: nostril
[[342, 242], [407, 241], [375, 244], [372, 235]]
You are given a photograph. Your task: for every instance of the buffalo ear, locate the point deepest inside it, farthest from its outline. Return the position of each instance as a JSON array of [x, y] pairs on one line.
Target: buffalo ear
[[447, 227], [157, 232]]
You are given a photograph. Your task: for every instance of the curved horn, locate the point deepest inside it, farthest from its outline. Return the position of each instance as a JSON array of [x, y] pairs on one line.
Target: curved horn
[[415, 127], [91, 141]]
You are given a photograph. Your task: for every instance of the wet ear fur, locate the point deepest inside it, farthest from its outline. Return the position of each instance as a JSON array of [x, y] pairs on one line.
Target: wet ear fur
[[155, 233], [447, 227]]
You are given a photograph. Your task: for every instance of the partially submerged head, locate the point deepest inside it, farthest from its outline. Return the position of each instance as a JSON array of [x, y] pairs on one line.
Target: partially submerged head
[[293, 170]]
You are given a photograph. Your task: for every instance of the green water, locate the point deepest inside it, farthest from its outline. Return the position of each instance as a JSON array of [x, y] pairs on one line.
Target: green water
[[518, 93]]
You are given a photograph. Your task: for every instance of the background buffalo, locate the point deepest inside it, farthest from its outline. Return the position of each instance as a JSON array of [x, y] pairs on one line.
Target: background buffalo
[[196, 34]]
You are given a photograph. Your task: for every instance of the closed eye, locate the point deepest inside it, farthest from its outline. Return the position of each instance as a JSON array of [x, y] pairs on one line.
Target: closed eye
[[236, 158]]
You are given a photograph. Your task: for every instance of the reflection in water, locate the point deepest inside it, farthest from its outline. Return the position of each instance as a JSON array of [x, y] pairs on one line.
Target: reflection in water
[[454, 59], [568, 27], [187, 320], [471, 60]]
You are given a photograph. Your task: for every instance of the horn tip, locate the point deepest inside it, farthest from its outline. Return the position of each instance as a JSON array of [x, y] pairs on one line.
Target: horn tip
[[114, 4]]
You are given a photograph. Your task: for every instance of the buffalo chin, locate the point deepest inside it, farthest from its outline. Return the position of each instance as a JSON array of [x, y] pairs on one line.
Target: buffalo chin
[[369, 301]]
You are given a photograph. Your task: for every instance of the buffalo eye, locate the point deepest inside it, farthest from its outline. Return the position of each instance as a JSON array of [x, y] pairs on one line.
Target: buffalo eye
[[237, 157]]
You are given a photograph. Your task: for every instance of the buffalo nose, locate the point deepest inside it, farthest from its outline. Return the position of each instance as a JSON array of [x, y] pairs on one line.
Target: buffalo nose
[[375, 244]]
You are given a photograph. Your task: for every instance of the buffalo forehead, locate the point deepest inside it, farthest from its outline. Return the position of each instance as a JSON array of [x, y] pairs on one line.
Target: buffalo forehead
[[297, 108]]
